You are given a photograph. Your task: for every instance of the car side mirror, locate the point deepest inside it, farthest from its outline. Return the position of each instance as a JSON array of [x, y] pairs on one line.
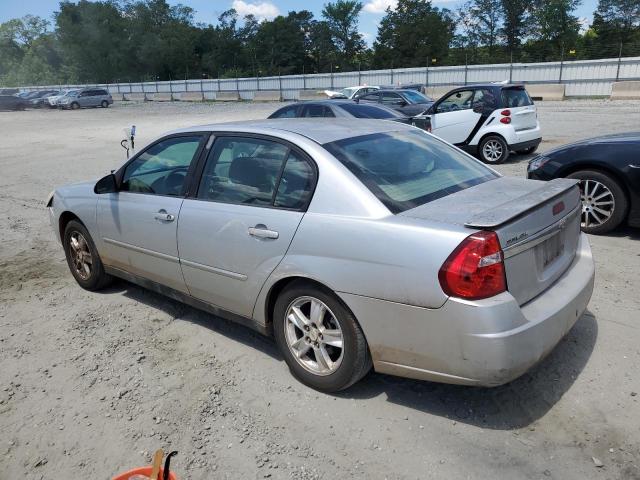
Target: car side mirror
[[107, 184]]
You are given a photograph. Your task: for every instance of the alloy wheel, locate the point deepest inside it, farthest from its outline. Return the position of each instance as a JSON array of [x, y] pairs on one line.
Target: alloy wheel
[[80, 255], [598, 203], [492, 150], [314, 336]]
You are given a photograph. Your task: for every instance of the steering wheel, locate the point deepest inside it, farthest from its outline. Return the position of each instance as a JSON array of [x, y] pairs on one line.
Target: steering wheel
[[174, 181], [454, 107]]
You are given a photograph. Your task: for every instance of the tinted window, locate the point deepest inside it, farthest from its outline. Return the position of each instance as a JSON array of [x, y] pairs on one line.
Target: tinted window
[[317, 111], [515, 97], [368, 111], [389, 98], [100, 92], [407, 169], [371, 97], [416, 97], [484, 101], [294, 189], [162, 168], [456, 101], [242, 170], [286, 112]]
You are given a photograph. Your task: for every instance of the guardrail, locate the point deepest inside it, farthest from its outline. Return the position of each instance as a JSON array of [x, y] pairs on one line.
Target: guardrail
[[581, 78]]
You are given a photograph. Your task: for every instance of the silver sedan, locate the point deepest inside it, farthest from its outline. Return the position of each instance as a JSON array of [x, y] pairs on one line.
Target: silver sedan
[[355, 244]]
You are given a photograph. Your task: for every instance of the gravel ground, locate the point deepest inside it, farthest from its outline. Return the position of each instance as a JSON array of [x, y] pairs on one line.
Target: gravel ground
[[92, 383]]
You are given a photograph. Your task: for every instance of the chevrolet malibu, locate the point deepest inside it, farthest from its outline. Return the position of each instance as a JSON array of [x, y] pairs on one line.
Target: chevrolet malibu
[[355, 244]]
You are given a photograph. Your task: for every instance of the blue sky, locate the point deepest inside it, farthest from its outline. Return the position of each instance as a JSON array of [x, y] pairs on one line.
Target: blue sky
[[208, 10]]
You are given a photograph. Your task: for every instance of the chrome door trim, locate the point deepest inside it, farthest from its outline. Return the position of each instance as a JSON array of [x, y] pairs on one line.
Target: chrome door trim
[[146, 251], [541, 236], [218, 271]]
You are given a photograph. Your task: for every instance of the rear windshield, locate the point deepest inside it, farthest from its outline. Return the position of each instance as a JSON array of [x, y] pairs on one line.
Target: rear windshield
[[515, 97], [368, 111], [406, 169]]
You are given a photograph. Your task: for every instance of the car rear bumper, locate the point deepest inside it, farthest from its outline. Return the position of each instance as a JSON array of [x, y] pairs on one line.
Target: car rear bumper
[[528, 144], [487, 342]]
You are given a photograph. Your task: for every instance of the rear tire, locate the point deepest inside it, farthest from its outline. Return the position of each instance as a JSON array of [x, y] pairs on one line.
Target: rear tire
[[83, 259], [334, 333], [104, 104], [604, 202], [75, 106], [493, 150]]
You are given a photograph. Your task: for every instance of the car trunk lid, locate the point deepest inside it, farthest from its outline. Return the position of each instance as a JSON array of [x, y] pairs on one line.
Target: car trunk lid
[[537, 223]]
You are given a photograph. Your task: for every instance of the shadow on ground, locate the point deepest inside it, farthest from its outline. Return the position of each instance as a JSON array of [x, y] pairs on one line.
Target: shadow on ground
[[512, 406]]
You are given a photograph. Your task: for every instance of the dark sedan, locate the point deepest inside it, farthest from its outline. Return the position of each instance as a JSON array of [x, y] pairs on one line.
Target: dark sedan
[[346, 108], [609, 172], [11, 102], [41, 99], [408, 102]]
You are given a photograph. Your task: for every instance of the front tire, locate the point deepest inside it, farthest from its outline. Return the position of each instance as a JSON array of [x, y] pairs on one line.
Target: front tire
[[320, 339], [83, 259], [104, 104], [604, 203], [493, 150]]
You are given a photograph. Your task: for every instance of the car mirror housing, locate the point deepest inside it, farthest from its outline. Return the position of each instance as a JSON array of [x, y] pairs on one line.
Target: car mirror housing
[[107, 184]]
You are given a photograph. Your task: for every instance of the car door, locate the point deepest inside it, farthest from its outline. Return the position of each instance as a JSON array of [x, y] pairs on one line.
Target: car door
[[393, 100], [251, 196], [454, 118], [138, 224]]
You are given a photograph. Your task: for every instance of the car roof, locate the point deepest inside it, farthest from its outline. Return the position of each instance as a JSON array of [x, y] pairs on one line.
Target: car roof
[[320, 130]]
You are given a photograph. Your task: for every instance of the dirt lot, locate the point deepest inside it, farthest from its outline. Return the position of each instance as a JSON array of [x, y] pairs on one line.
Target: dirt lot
[[90, 383]]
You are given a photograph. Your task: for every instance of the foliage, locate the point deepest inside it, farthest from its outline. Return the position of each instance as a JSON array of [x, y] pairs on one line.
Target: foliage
[[106, 41]]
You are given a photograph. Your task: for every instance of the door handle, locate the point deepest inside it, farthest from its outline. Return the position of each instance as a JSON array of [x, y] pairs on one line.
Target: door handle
[[261, 231], [163, 216]]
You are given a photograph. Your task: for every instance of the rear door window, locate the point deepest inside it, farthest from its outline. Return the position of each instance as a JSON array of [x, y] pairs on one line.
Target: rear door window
[[317, 111], [286, 112]]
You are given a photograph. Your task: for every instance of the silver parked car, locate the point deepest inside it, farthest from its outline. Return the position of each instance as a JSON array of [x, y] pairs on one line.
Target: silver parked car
[[354, 243], [86, 97]]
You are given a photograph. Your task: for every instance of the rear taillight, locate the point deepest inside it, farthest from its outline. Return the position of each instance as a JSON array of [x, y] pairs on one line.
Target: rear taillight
[[506, 113], [505, 120], [475, 269]]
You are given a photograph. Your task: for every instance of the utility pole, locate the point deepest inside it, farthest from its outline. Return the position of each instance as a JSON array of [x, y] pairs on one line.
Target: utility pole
[[619, 61]]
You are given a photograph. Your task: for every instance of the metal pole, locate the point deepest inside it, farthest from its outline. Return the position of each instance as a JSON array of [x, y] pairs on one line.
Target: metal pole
[[304, 79], [561, 63], [391, 75], [332, 76], [619, 61], [359, 75], [201, 90], [466, 68], [511, 69], [426, 75], [258, 80], [280, 81]]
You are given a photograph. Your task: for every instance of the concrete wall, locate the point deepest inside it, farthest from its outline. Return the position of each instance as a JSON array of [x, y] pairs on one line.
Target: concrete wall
[[625, 91]]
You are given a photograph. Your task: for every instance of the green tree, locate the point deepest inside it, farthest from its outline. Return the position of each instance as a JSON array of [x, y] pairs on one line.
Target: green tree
[[486, 16], [616, 22], [342, 19], [554, 26], [514, 23], [412, 34]]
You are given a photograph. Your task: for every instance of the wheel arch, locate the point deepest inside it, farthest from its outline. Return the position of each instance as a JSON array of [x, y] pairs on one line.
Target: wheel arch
[[595, 166], [63, 221]]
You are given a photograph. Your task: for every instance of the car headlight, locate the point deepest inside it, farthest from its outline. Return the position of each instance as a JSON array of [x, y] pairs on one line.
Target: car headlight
[[537, 162]]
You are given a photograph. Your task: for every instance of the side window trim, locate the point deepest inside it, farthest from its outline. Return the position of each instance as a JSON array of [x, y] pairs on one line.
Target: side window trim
[[119, 174], [197, 176]]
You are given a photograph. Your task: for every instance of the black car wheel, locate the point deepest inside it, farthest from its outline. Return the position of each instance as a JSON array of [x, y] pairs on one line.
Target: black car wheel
[[82, 257], [104, 104], [75, 106], [604, 203], [493, 149], [320, 339]]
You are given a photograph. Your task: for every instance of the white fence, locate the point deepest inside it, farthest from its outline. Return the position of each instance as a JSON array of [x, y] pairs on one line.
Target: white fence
[[581, 78]]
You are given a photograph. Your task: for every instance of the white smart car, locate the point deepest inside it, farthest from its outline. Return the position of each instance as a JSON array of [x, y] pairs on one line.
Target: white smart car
[[487, 120]]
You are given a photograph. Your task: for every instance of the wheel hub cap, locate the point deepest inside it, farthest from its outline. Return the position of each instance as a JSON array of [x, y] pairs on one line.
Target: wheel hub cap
[[81, 255], [492, 150], [314, 336], [598, 203]]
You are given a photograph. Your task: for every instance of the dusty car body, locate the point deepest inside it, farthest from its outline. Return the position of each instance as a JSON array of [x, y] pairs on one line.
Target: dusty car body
[[472, 282]]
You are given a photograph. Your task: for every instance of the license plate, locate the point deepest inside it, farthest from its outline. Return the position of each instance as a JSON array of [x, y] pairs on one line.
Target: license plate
[[552, 248]]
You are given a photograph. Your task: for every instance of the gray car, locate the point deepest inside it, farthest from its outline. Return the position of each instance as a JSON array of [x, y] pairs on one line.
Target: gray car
[[356, 244], [86, 97]]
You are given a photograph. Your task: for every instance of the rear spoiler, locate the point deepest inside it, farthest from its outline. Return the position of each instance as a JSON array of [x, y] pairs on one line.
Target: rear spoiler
[[510, 210]]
